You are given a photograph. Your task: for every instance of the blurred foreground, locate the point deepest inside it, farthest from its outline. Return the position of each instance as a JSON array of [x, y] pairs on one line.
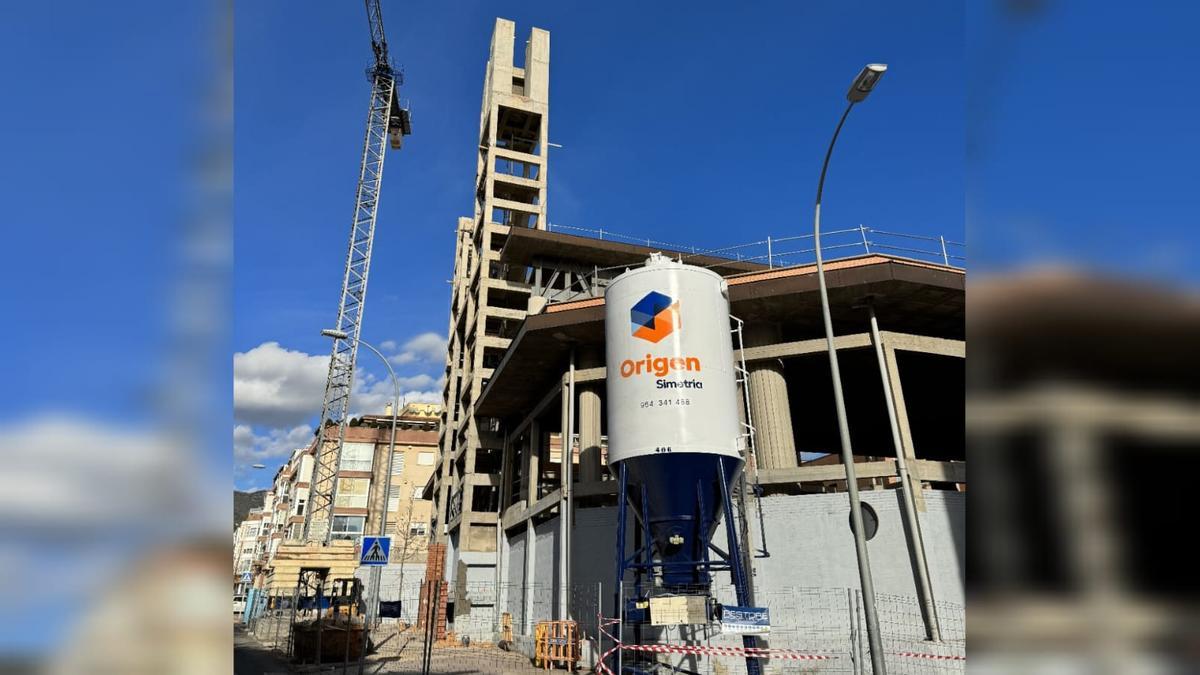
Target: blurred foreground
[[1083, 428]]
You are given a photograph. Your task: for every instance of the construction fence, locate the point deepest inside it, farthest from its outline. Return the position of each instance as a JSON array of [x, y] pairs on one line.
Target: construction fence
[[494, 628]]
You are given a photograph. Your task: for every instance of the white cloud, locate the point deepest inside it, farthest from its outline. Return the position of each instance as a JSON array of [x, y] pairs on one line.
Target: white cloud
[[71, 472], [277, 387], [424, 348], [250, 448], [280, 388]]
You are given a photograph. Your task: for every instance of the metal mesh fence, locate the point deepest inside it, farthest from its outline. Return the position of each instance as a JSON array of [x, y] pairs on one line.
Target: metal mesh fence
[[902, 630], [812, 630]]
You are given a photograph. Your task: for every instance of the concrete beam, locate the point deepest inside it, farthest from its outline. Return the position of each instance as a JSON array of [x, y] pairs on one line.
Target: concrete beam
[[590, 374], [550, 396], [926, 470], [512, 518], [943, 472], [519, 156], [802, 347], [924, 344]]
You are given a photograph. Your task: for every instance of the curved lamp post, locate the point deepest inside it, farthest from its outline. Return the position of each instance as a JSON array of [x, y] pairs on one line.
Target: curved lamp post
[[859, 89]]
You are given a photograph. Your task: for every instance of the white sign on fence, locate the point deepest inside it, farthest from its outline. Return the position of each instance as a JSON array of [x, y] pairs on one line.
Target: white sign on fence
[[745, 620]]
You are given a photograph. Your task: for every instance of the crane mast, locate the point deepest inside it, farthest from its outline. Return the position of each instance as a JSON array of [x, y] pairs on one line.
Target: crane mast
[[387, 124]]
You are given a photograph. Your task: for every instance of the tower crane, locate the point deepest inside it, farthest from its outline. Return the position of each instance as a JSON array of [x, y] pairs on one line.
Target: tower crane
[[388, 122]]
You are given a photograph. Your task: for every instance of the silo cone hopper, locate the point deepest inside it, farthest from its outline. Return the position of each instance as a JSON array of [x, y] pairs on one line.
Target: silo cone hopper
[[684, 502]]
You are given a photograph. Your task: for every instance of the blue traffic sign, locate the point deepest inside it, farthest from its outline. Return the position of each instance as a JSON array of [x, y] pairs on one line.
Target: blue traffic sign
[[375, 551], [247, 577]]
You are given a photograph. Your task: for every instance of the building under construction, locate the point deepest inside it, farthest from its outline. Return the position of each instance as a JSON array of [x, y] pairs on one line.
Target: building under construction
[[526, 368]]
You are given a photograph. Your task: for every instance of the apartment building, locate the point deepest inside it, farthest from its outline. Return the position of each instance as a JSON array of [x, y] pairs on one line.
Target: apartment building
[[361, 506], [362, 475], [245, 548]]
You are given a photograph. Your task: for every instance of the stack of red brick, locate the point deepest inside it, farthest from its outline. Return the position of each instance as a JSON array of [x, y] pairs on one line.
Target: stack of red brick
[[435, 575]]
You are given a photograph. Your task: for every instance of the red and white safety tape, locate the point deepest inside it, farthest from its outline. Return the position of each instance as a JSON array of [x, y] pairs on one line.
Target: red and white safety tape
[[935, 657], [759, 652], [730, 651]]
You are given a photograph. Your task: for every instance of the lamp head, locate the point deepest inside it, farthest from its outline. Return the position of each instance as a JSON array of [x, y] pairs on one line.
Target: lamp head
[[335, 334], [865, 82]]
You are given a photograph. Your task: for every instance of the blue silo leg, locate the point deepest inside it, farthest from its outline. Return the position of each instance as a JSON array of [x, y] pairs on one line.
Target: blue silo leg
[[753, 667]]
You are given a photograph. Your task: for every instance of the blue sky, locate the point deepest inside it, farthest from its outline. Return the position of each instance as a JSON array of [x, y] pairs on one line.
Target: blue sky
[[704, 127], [1084, 138]]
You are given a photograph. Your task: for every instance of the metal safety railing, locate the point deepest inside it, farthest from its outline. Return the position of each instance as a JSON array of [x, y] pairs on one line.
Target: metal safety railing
[[843, 242]]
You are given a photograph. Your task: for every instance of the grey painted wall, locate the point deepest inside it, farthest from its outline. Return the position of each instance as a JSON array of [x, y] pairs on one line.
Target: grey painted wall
[[545, 574], [810, 543]]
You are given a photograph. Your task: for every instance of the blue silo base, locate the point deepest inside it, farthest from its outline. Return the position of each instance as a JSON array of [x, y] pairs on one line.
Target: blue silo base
[[678, 496]]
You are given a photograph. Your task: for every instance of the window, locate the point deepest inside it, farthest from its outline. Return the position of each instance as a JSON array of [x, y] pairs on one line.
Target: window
[[352, 492], [300, 506], [357, 457], [348, 527], [393, 498], [425, 459], [398, 463], [418, 529], [295, 531], [419, 493]]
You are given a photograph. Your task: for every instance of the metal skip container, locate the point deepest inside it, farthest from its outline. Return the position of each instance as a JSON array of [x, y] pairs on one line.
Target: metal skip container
[[672, 404]]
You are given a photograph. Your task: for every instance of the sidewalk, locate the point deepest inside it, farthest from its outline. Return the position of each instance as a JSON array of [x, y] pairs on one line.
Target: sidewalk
[[251, 658]]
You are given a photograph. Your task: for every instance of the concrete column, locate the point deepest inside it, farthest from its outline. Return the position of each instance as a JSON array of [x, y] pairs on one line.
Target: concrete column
[[532, 463], [507, 468], [589, 433], [527, 584], [770, 408], [589, 421]]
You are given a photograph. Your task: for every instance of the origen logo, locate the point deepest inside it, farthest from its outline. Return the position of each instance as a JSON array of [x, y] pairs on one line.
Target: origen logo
[[654, 317]]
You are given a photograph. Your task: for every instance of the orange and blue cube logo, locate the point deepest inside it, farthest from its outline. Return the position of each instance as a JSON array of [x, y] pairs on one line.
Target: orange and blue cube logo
[[654, 317]]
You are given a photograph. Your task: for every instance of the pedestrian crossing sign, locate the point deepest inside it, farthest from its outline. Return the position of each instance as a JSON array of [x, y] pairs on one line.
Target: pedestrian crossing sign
[[375, 551]]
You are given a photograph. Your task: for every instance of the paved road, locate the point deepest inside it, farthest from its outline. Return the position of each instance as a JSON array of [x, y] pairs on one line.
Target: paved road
[[396, 657], [251, 658]]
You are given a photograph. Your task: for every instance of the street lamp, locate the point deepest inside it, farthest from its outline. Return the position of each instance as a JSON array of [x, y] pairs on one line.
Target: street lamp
[[859, 89], [376, 572]]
